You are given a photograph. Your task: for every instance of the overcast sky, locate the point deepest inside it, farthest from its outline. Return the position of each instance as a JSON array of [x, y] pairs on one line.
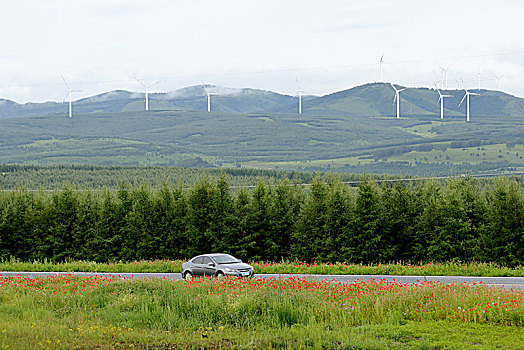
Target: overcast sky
[[100, 45]]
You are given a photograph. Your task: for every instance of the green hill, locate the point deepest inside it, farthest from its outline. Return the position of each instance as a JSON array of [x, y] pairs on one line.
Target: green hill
[[370, 100], [353, 130], [421, 145], [375, 100]]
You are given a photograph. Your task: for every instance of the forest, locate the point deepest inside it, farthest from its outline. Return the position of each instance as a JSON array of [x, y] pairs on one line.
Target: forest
[[460, 219], [37, 177]]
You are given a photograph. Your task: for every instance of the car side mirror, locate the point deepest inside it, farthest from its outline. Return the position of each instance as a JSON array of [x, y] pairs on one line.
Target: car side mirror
[[210, 264], [239, 260]]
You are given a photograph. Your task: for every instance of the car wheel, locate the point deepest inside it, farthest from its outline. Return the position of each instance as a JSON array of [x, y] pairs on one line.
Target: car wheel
[[220, 275], [188, 276]]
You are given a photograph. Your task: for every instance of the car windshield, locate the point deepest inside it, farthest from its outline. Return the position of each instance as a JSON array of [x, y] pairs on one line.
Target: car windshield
[[225, 259]]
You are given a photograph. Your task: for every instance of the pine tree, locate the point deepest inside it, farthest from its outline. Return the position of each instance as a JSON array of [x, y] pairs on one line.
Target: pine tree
[[284, 209], [310, 229], [366, 242], [503, 234], [339, 215]]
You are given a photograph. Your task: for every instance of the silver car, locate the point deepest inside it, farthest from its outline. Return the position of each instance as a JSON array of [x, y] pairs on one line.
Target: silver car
[[218, 265]]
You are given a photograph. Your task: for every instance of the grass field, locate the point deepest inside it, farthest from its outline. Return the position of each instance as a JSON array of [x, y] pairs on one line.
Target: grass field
[[451, 156], [474, 155], [68, 312], [284, 267]]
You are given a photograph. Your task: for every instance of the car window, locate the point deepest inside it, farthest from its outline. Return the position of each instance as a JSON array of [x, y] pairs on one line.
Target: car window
[[207, 260], [198, 260], [225, 259]]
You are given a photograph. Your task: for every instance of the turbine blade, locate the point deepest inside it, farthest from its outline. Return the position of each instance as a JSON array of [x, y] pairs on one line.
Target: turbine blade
[[65, 82], [466, 94], [393, 86], [158, 82], [140, 83], [66, 96]]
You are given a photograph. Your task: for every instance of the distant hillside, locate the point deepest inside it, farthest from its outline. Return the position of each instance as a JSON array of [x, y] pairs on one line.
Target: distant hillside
[[352, 130], [421, 145], [370, 100], [376, 100], [190, 98]]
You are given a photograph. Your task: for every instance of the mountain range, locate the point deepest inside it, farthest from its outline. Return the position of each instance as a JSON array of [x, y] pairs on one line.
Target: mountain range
[[354, 130], [369, 100]]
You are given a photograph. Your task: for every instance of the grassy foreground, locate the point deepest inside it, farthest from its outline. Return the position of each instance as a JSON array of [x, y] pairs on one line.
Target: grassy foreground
[[284, 267], [68, 312]]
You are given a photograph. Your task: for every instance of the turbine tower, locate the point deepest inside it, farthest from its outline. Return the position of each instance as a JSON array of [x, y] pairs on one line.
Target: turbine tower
[[445, 73], [208, 97], [381, 62], [441, 100], [498, 77], [397, 98], [146, 91], [466, 96], [70, 95], [299, 94], [459, 84]]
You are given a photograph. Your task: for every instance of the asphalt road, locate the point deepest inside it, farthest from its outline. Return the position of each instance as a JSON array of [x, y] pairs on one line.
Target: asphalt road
[[503, 282]]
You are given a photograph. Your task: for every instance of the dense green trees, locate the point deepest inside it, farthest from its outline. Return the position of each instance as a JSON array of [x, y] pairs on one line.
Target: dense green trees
[[461, 219]]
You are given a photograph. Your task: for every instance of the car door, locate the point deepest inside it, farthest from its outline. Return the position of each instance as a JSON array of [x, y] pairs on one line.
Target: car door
[[197, 266], [208, 267]]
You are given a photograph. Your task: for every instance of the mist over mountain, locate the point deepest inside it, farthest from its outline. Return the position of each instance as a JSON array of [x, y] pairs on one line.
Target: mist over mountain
[[223, 99]]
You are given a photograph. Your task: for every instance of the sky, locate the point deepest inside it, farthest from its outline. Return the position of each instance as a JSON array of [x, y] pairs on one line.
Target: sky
[[331, 45]]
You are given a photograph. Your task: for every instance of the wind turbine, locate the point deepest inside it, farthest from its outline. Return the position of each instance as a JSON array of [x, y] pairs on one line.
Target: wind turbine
[[466, 96], [459, 84], [381, 62], [498, 79], [299, 94], [208, 97], [146, 92], [397, 98], [445, 72], [69, 93], [441, 100], [478, 75]]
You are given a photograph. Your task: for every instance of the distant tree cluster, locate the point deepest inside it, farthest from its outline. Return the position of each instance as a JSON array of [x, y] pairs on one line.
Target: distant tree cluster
[[34, 177], [460, 219]]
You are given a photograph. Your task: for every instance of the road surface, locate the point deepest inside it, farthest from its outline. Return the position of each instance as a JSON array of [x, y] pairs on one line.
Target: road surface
[[505, 282]]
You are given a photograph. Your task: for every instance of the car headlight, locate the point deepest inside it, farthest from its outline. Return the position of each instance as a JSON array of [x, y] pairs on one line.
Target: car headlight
[[230, 270]]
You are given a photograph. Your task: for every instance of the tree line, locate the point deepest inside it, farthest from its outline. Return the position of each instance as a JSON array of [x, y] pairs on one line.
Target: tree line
[[36, 177], [459, 219]]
